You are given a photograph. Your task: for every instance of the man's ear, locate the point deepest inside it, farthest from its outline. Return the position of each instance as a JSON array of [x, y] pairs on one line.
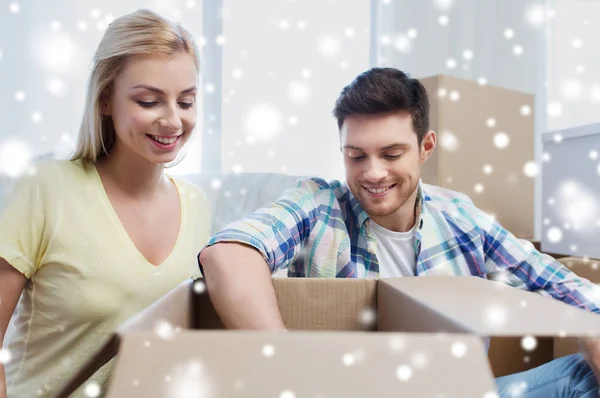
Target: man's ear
[[427, 145]]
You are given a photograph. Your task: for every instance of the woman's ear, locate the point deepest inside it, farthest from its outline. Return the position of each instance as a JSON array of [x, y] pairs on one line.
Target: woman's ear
[[107, 108]]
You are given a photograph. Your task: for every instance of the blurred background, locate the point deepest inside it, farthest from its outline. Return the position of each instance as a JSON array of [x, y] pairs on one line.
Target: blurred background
[[514, 86]]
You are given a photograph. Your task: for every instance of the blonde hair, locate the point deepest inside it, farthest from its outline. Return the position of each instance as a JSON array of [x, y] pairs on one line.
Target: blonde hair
[[142, 32]]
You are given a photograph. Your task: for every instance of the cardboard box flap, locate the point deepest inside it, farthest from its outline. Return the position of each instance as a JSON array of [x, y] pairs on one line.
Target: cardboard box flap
[[398, 311], [173, 310], [496, 309], [300, 364], [106, 353]]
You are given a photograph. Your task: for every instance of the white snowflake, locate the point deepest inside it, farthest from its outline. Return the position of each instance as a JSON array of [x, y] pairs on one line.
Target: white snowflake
[[443, 20], [518, 50], [263, 121], [554, 235], [287, 394], [56, 86], [15, 158], [449, 141], [36, 117], [517, 389], [509, 33], [397, 344], [488, 169], [404, 372], [595, 93], [329, 46], [478, 188], [572, 89], [501, 140], [495, 315], [536, 15], [298, 92], [403, 44], [284, 24], [216, 183], [368, 316], [191, 380], [92, 389], [348, 359], [268, 350], [199, 287], [491, 122], [55, 25], [5, 356], [420, 360], [20, 96], [237, 73], [164, 329], [529, 343], [459, 349], [531, 169], [444, 4]]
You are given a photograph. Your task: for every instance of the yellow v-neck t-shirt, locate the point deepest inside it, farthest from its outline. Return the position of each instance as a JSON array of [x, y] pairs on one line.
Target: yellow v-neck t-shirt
[[85, 275]]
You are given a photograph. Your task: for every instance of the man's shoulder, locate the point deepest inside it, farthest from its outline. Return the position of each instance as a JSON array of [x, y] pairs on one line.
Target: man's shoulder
[[445, 198], [321, 188]]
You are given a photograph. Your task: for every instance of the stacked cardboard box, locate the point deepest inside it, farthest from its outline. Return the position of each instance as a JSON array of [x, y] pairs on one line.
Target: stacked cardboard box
[[485, 139]]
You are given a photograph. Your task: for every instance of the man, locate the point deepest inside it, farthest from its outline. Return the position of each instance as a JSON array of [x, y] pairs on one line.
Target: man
[[383, 222]]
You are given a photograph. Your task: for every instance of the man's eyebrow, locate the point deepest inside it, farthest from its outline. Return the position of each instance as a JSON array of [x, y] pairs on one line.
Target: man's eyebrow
[[391, 146], [396, 145]]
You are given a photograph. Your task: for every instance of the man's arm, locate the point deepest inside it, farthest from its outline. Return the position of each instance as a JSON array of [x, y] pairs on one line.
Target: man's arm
[[516, 262], [238, 261], [240, 287]]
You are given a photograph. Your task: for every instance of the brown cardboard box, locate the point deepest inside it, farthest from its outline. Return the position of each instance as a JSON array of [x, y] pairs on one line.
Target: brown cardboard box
[[459, 112], [428, 340]]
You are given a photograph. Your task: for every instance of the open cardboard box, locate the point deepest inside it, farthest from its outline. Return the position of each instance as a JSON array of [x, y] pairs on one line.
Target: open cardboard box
[[429, 340]]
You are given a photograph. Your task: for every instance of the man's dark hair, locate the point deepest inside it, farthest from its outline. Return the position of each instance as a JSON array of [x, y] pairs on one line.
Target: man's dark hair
[[381, 90]]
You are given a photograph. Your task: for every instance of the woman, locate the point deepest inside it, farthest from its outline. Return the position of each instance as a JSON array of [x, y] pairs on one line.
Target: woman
[[88, 242]]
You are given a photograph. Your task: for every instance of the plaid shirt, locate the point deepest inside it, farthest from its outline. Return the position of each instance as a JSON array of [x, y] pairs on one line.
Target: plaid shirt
[[318, 229]]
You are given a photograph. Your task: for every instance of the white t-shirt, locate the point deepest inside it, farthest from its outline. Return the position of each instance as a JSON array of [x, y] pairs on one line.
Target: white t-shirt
[[395, 252]]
